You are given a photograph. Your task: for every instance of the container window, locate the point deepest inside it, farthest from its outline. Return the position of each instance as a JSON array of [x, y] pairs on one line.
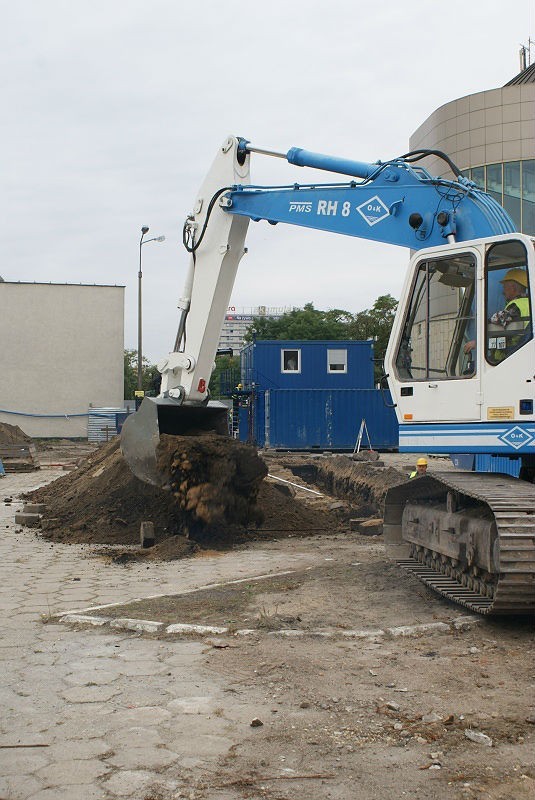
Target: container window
[[509, 324], [290, 361], [337, 361]]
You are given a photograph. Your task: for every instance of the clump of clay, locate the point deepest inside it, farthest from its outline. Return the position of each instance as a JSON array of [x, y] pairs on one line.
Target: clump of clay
[[213, 478]]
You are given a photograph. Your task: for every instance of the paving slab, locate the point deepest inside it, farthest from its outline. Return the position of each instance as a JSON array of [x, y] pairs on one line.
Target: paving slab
[[72, 772], [144, 757]]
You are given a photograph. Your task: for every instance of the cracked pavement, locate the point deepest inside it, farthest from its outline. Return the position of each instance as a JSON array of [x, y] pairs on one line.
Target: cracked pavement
[[91, 714]]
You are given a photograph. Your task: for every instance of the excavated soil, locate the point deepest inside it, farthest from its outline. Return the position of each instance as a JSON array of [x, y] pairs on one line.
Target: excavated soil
[[12, 434], [212, 478], [219, 496]]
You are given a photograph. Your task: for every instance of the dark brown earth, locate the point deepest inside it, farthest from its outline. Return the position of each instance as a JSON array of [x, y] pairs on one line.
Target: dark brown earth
[[213, 478], [219, 497], [12, 434]]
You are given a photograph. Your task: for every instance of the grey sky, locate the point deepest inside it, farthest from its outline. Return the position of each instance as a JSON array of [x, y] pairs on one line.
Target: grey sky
[[113, 112]]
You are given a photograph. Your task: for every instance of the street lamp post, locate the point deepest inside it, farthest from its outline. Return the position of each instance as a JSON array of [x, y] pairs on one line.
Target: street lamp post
[[144, 230]]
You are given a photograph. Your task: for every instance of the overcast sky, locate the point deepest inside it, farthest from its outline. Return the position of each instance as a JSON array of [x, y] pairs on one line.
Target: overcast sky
[[113, 112]]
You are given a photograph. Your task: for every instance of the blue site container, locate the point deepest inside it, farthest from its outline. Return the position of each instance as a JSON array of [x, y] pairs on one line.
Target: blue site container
[[319, 419], [262, 364], [312, 395], [120, 418]]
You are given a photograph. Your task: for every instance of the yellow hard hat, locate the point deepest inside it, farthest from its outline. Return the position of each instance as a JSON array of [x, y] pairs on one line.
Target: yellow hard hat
[[518, 275], [422, 462]]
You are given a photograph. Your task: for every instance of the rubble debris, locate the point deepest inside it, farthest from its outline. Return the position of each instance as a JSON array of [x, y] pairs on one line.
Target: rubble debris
[[371, 527], [146, 534], [478, 737]]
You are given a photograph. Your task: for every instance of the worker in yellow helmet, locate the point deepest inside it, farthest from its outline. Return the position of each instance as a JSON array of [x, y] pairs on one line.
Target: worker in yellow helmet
[[421, 468], [517, 309]]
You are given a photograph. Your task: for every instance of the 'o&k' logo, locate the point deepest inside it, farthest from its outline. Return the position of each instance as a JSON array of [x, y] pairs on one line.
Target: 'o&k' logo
[[516, 437], [373, 211]]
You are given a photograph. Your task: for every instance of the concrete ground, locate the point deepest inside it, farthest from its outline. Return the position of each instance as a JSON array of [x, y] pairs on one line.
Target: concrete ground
[[108, 713], [97, 715]]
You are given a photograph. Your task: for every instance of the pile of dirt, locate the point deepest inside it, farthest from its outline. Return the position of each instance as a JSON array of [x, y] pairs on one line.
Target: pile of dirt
[[102, 502], [12, 434], [213, 478], [17, 450]]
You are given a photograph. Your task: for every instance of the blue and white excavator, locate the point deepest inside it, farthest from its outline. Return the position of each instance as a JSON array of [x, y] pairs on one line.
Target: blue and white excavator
[[460, 364]]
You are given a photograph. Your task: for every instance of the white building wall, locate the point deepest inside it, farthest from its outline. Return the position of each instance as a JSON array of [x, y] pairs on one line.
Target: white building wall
[[61, 351]]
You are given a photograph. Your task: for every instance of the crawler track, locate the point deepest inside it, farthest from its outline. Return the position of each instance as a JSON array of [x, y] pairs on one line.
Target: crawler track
[[512, 505]]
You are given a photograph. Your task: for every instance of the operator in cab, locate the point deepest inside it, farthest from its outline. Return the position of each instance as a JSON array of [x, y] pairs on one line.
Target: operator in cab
[[421, 468], [515, 284], [516, 309]]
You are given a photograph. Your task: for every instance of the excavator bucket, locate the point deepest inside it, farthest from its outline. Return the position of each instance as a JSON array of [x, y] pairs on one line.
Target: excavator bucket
[[141, 431]]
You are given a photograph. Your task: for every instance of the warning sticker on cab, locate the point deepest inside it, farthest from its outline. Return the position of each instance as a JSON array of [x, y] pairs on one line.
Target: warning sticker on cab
[[501, 412]]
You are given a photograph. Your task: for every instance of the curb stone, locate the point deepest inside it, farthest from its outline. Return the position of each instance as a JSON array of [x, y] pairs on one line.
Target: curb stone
[[150, 626]]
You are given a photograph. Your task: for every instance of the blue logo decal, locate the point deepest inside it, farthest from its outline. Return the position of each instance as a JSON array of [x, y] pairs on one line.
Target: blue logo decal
[[373, 210], [516, 437]]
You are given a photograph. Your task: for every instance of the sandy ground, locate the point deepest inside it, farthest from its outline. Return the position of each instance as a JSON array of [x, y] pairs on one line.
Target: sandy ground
[[378, 717]]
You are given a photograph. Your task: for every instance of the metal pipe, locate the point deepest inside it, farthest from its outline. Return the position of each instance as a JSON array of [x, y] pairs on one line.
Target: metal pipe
[[263, 152]]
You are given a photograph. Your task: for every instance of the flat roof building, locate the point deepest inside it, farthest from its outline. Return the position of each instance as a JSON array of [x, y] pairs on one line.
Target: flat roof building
[[237, 322], [62, 353]]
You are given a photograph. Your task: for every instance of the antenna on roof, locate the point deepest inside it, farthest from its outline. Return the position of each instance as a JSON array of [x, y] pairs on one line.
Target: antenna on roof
[[525, 54]]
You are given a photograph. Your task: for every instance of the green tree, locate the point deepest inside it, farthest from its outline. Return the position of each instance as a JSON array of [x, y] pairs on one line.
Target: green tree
[[375, 323], [150, 375], [225, 376], [302, 323]]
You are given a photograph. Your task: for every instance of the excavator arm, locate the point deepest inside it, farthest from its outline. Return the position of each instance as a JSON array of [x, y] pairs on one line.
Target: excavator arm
[[395, 202]]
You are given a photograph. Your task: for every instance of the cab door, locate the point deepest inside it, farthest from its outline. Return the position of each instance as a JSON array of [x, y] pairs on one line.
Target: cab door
[[433, 359]]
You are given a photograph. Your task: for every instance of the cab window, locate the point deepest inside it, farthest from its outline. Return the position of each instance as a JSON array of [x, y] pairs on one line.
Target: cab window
[[439, 335], [508, 312]]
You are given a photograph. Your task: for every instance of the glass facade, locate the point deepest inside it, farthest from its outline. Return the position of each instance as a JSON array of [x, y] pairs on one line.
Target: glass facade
[[512, 184]]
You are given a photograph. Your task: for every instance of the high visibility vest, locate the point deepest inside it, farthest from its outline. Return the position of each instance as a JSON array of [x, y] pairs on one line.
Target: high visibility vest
[[522, 303], [413, 474]]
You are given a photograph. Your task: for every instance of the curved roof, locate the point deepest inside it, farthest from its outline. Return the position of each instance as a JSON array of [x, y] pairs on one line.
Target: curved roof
[[526, 76]]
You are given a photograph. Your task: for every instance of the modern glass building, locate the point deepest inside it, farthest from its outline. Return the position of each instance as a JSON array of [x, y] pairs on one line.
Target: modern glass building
[[491, 137]]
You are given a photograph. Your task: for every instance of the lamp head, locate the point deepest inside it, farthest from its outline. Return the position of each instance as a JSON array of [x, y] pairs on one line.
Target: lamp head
[[144, 230]]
